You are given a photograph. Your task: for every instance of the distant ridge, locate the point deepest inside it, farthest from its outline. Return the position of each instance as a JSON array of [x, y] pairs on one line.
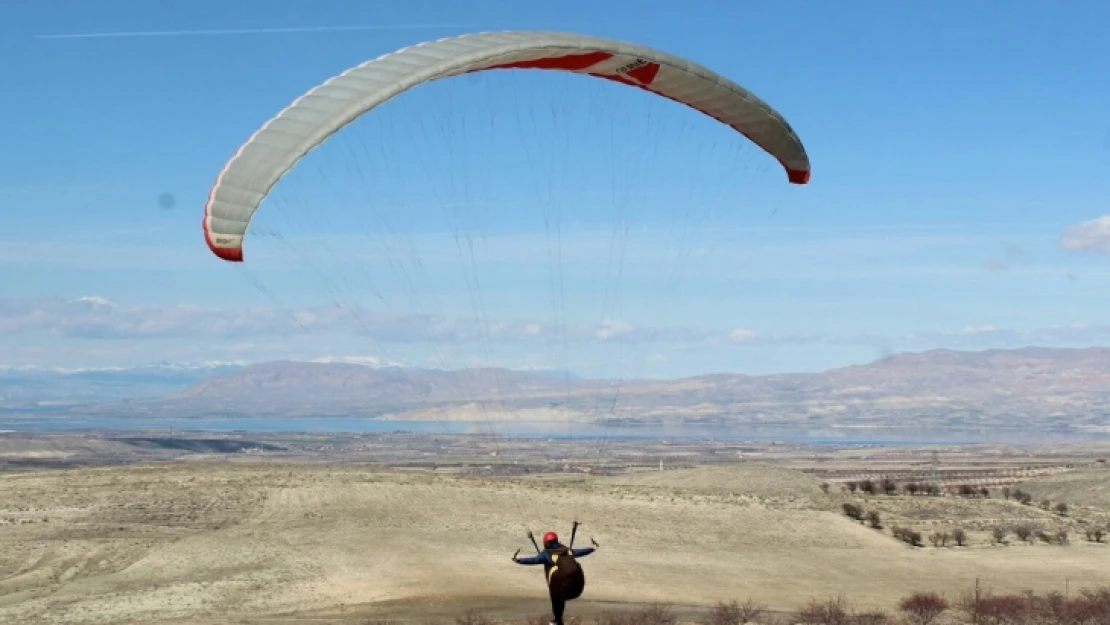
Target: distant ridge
[[1031, 387]]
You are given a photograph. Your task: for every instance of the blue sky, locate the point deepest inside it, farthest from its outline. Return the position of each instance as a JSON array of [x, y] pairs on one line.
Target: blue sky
[[961, 158]]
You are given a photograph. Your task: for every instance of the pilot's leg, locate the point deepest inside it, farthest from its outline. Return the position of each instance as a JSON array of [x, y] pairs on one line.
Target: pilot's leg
[[558, 604]]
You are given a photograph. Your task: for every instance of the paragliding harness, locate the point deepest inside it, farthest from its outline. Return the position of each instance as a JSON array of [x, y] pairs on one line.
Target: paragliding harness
[[564, 576]]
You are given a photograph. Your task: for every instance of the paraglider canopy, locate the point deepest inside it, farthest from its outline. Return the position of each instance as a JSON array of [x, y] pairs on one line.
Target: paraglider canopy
[[275, 148]]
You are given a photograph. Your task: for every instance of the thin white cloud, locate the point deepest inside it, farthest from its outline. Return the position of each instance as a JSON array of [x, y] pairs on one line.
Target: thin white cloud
[[989, 336], [366, 361], [751, 338], [740, 335], [247, 31], [610, 328], [92, 317], [1088, 236]]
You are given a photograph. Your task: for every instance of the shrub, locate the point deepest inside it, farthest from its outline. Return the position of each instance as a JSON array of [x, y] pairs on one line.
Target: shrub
[[1095, 534], [870, 617], [1024, 532], [1062, 537], [852, 486], [923, 608], [1041, 535], [985, 492], [474, 617], [998, 535], [907, 536], [867, 486], [960, 537], [966, 490], [1061, 509], [1092, 606], [1003, 609], [828, 612], [874, 519], [825, 487], [1006, 493], [657, 614], [911, 488], [1046, 504], [733, 613], [853, 511], [889, 486]]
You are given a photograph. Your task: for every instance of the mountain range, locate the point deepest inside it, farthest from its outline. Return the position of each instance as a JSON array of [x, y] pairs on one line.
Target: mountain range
[[1051, 388]]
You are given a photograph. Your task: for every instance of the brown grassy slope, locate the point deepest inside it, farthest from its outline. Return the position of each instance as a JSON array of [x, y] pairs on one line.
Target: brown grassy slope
[[213, 542]]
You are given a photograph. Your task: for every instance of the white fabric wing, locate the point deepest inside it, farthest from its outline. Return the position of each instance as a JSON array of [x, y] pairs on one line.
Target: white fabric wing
[[276, 147]]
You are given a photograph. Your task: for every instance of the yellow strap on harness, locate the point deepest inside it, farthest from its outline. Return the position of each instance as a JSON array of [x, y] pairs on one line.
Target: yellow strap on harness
[[554, 567]]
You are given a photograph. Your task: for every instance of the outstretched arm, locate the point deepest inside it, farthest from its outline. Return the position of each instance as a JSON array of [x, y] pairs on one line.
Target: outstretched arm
[[585, 551], [532, 561]]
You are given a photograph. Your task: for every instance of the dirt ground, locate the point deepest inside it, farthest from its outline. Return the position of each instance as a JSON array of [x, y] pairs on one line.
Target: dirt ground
[[271, 542]]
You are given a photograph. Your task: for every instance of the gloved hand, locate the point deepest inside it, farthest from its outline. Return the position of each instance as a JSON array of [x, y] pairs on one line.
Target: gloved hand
[[516, 554]]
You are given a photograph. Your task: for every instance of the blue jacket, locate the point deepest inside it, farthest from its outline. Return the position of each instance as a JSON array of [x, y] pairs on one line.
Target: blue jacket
[[544, 557]]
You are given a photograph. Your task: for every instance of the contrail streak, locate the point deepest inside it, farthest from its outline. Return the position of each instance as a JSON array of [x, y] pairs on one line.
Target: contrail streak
[[245, 31]]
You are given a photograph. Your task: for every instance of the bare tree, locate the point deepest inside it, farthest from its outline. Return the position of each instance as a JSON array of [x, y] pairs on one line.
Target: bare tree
[[923, 608]]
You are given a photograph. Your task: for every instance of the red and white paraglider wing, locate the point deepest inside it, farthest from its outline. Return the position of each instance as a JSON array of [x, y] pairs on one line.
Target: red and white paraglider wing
[[273, 150]]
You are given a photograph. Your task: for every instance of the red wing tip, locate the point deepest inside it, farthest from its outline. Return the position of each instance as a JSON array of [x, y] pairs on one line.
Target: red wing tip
[[798, 176], [230, 254]]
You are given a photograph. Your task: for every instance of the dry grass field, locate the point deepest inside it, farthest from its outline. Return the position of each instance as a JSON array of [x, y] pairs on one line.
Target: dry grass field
[[273, 542]]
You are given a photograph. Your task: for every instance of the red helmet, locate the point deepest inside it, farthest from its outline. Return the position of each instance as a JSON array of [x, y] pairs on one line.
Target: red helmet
[[550, 537]]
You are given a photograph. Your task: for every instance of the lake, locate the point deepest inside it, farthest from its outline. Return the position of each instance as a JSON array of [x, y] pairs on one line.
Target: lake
[[823, 436]]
